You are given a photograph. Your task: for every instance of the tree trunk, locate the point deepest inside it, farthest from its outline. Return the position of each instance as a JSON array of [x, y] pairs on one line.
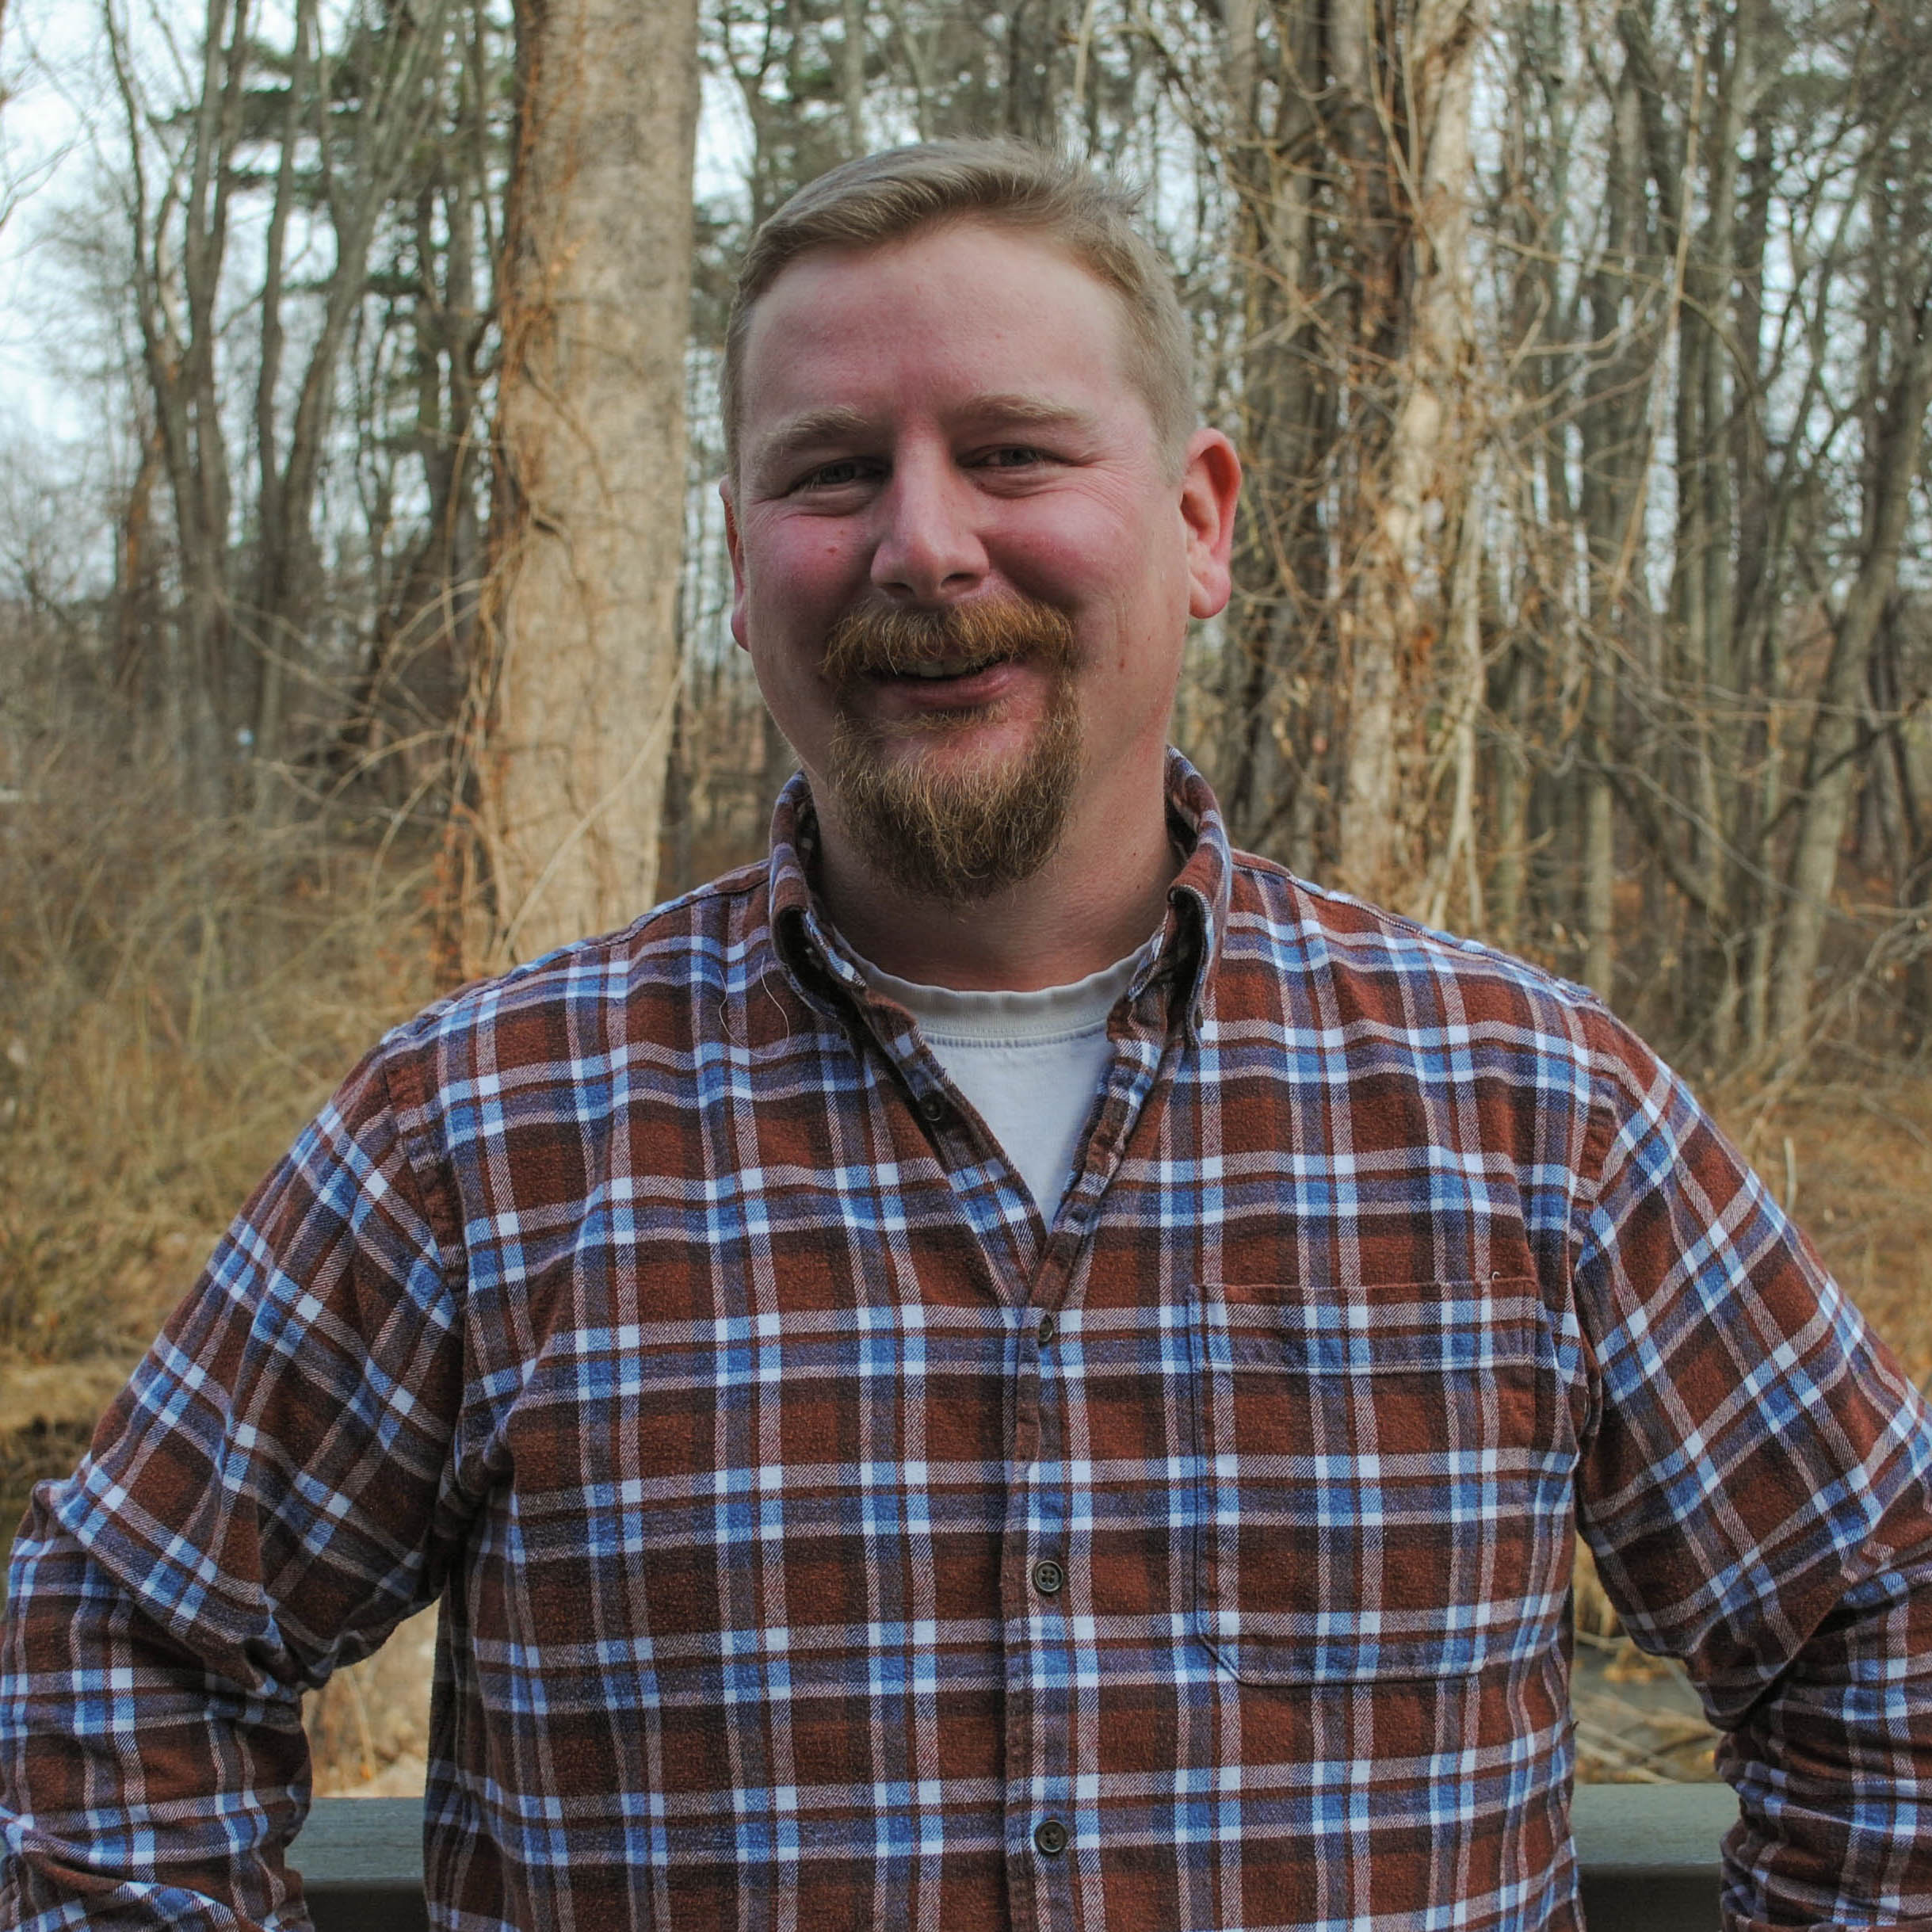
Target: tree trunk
[[1411, 502], [1831, 766], [1612, 428], [851, 74], [1346, 134], [582, 605], [1281, 618], [178, 244]]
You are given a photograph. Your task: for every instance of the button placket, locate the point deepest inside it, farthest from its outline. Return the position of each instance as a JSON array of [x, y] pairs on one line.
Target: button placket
[[1051, 1689], [1048, 1573]]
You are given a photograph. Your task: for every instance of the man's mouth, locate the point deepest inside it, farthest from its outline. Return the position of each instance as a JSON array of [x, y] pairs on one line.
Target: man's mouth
[[942, 672]]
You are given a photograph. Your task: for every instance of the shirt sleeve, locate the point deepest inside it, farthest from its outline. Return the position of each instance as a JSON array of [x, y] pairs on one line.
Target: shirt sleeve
[[266, 1499], [1755, 1488]]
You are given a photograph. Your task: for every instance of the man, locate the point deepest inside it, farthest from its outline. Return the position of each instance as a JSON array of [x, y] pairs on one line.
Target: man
[[1009, 1365]]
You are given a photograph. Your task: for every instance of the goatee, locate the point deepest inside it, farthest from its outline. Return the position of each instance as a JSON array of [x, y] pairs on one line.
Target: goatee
[[959, 834]]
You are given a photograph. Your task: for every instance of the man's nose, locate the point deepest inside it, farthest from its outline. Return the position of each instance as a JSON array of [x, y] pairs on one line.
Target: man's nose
[[929, 549]]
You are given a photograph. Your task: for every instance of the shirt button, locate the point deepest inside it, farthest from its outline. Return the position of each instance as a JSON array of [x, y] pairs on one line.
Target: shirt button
[[934, 1109], [1048, 1577], [1050, 1838], [1046, 1329]]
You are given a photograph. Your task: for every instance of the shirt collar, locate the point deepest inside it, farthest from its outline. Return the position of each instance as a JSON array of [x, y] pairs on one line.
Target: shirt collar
[[1197, 901]]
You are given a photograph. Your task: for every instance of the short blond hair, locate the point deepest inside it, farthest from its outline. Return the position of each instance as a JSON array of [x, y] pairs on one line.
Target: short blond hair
[[1006, 184]]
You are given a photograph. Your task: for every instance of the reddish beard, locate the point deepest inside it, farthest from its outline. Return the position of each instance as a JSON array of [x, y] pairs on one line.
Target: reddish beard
[[961, 834]]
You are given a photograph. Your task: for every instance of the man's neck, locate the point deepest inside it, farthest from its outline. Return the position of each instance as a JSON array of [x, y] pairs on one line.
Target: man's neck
[[1096, 899]]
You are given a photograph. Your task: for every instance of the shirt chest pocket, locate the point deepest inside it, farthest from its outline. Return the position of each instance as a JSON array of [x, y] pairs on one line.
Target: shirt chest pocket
[[1382, 1481]]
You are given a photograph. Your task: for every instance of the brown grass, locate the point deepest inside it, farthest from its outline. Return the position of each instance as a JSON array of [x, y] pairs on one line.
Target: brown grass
[[176, 998], [1851, 1157]]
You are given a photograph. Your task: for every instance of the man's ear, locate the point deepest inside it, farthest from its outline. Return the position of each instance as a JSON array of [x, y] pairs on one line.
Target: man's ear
[[733, 543], [1210, 487]]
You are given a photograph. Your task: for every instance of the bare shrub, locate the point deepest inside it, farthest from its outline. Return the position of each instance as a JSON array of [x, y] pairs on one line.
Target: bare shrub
[[176, 995]]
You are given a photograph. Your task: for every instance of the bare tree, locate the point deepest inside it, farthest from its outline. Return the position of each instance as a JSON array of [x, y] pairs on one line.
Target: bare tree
[[339, 123], [1344, 135], [1899, 350], [1579, 588], [1405, 140], [580, 611], [422, 372]]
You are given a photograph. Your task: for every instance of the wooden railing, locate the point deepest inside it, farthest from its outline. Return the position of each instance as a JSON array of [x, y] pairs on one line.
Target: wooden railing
[[1648, 1853]]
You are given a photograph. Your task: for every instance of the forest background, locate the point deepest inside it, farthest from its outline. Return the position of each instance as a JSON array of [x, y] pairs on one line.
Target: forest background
[[363, 593]]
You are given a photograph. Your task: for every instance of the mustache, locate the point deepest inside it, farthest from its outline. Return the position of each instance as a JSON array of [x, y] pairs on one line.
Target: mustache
[[874, 641]]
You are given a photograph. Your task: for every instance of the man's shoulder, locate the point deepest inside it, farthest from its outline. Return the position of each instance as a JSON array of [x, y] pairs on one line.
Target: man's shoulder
[[577, 1002], [1366, 964]]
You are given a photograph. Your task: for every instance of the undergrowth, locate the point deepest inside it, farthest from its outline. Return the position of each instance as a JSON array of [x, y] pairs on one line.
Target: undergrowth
[[177, 996]]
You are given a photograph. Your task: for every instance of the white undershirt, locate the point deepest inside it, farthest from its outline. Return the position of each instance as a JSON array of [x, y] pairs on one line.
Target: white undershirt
[[1030, 1063]]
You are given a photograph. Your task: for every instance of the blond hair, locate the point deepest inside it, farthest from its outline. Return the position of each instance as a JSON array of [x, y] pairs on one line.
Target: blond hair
[[888, 197]]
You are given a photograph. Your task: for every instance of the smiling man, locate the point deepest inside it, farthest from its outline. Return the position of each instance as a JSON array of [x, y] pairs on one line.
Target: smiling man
[[1009, 1364]]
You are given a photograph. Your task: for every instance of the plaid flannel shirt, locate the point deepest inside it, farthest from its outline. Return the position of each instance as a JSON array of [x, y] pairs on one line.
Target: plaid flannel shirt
[[824, 1542]]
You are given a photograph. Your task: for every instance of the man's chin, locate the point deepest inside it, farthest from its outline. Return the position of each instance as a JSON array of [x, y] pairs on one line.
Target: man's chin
[[951, 820], [959, 748]]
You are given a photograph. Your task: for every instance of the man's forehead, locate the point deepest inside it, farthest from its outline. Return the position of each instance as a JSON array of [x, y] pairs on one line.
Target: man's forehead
[[787, 303], [1021, 290], [977, 230]]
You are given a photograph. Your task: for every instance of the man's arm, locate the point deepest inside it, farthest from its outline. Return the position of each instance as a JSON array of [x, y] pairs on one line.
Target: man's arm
[[1755, 1488], [267, 1499]]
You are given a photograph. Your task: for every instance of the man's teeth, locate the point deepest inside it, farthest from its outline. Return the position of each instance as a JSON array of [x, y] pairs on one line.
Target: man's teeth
[[936, 671]]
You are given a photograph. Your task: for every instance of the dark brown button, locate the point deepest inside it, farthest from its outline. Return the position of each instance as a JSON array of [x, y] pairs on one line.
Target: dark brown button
[[1050, 1838], [934, 1109], [1046, 1329], [1048, 1577]]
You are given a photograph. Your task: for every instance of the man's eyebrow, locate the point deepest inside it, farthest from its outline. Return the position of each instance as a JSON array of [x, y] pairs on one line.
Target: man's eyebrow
[[838, 422], [835, 423], [1039, 412]]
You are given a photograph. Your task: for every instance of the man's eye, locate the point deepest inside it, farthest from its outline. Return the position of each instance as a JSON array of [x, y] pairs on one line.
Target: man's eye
[[1017, 457], [833, 476]]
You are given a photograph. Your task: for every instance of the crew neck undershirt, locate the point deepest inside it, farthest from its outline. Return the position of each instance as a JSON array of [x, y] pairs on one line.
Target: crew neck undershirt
[[1030, 1063]]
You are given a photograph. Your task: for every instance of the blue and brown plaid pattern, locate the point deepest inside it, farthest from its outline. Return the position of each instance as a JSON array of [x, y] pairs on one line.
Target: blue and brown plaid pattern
[[823, 1542]]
